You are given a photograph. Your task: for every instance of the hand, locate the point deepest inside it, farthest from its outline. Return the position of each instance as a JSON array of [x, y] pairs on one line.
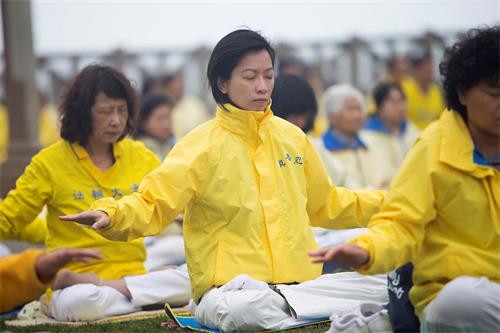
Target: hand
[[48, 264], [95, 218], [348, 255]]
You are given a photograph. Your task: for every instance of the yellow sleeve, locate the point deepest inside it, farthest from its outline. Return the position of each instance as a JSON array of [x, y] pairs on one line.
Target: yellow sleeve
[[34, 232], [396, 233], [23, 204], [162, 195], [334, 207], [18, 279]]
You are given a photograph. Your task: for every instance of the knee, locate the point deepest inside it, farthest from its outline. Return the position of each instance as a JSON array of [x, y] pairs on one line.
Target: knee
[[249, 310], [458, 303], [76, 303]]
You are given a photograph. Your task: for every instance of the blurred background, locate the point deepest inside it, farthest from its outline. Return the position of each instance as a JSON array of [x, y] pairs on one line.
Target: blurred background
[[165, 45]]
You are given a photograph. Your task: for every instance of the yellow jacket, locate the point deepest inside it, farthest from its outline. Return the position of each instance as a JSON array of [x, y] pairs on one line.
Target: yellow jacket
[[442, 213], [252, 184], [64, 178], [423, 107], [18, 279]]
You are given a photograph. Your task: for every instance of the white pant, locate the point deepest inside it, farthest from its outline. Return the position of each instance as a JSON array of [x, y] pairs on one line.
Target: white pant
[[248, 305], [87, 302], [465, 304], [164, 251]]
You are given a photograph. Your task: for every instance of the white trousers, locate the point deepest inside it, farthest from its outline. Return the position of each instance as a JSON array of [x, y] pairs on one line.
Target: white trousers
[[465, 304], [164, 251], [244, 304], [88, 302]]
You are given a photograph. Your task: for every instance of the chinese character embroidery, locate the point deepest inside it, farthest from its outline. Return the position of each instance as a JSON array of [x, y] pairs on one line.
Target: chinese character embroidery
[[78, 195], [97, 194], [116, 193]]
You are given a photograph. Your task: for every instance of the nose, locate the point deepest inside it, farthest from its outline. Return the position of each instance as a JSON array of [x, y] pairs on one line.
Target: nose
[[114, 119], [261, 85]]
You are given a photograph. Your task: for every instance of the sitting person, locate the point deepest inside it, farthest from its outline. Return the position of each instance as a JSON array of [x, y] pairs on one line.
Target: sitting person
[[93, 160], [294, 100], [365, 165], [155, 125], [389, 128], [251, 185], [34, 269], [442, 213]]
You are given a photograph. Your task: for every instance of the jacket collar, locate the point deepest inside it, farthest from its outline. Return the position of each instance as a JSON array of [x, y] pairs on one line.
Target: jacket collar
[[457, 147], [376, 124], [243, 122], [334, 141]]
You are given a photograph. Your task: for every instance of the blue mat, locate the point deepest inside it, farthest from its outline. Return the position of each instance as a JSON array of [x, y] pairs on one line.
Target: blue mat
[[190, 322]]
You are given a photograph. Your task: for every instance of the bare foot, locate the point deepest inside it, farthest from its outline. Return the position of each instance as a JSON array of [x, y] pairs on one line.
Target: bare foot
[[66, 278]]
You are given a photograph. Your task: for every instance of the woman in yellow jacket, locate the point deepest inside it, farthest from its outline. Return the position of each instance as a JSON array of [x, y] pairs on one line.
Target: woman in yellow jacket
[[251, 185], [94, 160], [443, 209]]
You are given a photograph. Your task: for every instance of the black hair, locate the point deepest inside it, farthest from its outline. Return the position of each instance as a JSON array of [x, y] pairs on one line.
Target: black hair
[[292, 95], [80, 95], [148, 105], [382, 90], [228, 53], [474, 58]]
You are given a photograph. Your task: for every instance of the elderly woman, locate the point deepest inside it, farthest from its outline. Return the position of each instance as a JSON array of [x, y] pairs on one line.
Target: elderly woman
[[251, 184], [94, 160], [443, 209], [389, 128], [366, 165]]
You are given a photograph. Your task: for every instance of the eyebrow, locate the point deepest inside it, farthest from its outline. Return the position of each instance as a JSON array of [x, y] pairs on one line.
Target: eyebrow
[[255, 71]]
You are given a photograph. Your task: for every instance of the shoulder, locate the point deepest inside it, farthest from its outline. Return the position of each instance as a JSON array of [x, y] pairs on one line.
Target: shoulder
[[286, 130], [136, 150]]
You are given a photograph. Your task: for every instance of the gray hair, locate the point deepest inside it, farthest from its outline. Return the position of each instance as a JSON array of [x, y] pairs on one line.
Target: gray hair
[[335, 96]]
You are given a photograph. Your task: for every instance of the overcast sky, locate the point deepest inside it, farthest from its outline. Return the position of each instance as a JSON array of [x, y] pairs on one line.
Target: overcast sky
[[105, 25]]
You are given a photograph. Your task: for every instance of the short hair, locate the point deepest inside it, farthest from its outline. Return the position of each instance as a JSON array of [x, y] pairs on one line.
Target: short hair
[[472, 59], [335, 96], [228, 53], [382, 90], [292, 95], [148, 105], [80, 95]]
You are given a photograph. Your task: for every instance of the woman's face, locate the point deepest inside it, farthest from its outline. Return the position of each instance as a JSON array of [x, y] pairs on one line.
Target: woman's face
[[393, 108], [483, 108], [251, 82], [349, 119], [159, 123], [108, 119]]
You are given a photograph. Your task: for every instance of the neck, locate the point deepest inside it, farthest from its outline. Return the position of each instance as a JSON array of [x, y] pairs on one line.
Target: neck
[[488, 145], [101, 154], [394, 126]]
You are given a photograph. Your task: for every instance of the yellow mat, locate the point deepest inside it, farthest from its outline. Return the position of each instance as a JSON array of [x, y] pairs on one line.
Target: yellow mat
[[115, 319]]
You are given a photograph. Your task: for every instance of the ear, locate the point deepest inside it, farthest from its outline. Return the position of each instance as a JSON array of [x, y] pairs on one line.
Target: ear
[[222, 85], [461, 97]]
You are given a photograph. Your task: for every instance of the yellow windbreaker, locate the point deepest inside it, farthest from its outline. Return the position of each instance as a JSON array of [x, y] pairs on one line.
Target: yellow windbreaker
[[252, 184], [18, 279], [423, 107], [442, 213], [64, 178]]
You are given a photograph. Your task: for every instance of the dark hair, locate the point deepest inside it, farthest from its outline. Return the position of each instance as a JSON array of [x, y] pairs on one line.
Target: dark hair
[[475, 57], [79, 98], [418, 56], [292, 95], [382, 90], [148, 105], [148, 85], [228, 53]]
